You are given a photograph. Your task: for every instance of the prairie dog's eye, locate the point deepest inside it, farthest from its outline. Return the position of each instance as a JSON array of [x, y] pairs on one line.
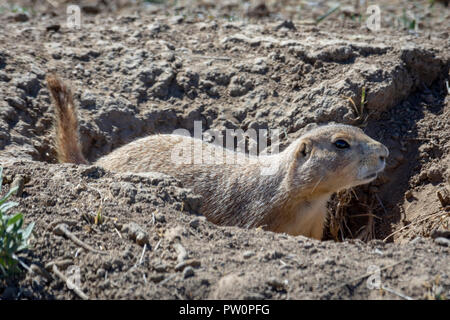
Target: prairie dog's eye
[[341, 144]]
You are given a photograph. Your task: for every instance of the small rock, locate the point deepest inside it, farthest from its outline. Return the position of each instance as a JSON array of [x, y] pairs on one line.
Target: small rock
[[154, 28], [127, 254], [176, 19], [53, 27], [349, 11], [240, 86], [90, 9], [4, 76], [160, 218], [195, 223], [19, 17], [136, 233], [440, 234], [174, 234], [92, 172], [423, 176], [273, 255], [180, 266], [157, 278], [442, 241], [276, 283], [218, 76], [117, 263], [29, 83], [141, 238], [187, 263], [101, 272], [188, 272], [205, 282], [444, 196], [19, 182], [248, 254], [434, 175], [288, 24], [161, 267], [329, 261], [409, 195], [258, 10]]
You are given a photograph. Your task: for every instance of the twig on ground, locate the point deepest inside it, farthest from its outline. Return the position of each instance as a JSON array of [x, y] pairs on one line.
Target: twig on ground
[[411, 224], [26, 267], [118, 233], [142, 254], [52, 225], [168, 279], [367, 274], [75, 289], [401, 295], [157, 245], [61, 229], [59, 263]]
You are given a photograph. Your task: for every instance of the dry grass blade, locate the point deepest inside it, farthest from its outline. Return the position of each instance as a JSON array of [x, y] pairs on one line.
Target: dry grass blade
[[336, 220], [327, 14], [368, 231], [63, 278], [360, 119], [367, 274], [413, 224]]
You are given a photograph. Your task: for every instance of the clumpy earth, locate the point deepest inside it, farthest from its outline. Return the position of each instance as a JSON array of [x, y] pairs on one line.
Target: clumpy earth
[[146, 67]]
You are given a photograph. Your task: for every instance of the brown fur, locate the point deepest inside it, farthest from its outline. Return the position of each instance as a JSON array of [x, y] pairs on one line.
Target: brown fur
[[292, 200], [66, 122]]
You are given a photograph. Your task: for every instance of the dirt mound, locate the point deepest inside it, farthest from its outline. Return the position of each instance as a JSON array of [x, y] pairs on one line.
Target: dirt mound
[[149, 245], [146, 68]]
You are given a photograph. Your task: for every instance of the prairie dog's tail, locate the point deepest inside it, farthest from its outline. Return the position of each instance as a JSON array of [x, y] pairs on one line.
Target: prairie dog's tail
[[66, 122]]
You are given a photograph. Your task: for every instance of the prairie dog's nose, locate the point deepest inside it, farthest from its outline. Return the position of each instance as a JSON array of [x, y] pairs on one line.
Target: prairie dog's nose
[[383, 151]]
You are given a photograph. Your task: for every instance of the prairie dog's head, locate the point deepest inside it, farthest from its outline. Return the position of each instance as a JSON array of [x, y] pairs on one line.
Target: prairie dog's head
[[335, 157]]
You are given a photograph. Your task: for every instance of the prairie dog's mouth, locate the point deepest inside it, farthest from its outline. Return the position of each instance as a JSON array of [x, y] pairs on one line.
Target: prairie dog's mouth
[[371, 176]]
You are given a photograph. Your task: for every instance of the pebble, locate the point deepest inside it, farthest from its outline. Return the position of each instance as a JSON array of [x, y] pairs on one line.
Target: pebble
[[434, 175], [187, 263], [409, 195], [188, 272], [442, 241], [276, 283], [161, 268], [288, 24], [18, 17], [101, 272], [19, 182], [440, 234], [443, 195], [176, 19], [135, 232], [195, 223], [160, 218], [157, 278]]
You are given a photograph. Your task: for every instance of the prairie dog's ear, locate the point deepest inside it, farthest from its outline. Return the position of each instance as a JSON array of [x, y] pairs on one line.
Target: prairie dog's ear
[[304, 148]]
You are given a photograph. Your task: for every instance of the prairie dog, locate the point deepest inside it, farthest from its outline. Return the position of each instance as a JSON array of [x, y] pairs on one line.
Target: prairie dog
[[292, 200]]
